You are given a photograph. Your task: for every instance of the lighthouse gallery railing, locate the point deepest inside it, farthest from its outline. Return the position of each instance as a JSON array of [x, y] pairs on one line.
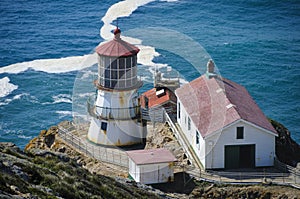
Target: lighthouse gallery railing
[[100, 112]]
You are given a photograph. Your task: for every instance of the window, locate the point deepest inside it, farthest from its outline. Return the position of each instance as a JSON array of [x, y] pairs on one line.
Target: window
[[103, 126], [146, 102], [128, 62], [121, 63], [114, 74], [134, 60], [197, 137], [240, 132], [106, 62], [121, 74], [107, 73], [178, 110], [114, 64], [106, 83], [189, 123]]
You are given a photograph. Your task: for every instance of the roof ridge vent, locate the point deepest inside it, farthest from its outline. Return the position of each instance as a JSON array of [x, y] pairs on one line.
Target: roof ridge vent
[[230, 106], [219, 90]]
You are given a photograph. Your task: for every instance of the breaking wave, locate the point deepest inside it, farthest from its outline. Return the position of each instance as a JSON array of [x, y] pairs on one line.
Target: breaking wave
[[62, 98], [63, 114], [6, 87], [27, 97]]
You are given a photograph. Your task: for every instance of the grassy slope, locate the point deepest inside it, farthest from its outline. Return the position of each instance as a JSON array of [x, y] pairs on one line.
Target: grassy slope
[[52, 176]]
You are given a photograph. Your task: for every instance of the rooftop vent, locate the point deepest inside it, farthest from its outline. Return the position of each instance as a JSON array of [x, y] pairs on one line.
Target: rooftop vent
[[220, 90], [160, 93], [230, 106]]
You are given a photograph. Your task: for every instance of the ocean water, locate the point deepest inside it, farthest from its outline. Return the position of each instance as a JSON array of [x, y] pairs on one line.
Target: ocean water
[[47, 53]]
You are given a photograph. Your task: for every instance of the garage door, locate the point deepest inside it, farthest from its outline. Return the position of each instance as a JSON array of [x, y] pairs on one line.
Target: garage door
[[239, 156]]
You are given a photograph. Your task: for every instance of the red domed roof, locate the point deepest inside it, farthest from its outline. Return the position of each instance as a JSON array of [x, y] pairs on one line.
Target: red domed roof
[[117, 47]]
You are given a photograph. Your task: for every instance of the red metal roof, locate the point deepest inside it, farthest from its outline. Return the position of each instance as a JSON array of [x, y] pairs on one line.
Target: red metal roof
[[117, 47], [217, 102], [154, 100], [151, 156]]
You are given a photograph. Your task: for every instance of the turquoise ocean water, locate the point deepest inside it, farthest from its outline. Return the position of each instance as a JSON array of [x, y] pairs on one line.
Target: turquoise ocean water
[[44, 44]]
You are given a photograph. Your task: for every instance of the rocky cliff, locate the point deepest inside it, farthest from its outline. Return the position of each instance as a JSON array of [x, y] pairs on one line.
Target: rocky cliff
[[287, 150], [51, 169], [40, 173]]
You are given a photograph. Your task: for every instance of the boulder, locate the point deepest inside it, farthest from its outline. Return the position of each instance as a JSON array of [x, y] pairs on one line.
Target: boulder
[[45, 140]]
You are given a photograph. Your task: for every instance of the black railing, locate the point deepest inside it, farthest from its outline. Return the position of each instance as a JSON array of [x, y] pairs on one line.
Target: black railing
[[108, 155]]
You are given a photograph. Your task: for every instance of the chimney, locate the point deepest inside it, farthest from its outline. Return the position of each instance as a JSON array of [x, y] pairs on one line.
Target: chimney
[[210, 72], [210, 66]]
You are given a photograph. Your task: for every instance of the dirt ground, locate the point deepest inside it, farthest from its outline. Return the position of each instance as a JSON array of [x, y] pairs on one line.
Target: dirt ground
[[160, 136]]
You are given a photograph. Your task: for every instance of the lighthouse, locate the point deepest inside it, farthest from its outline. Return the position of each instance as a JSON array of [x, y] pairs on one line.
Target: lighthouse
[[116, 118]]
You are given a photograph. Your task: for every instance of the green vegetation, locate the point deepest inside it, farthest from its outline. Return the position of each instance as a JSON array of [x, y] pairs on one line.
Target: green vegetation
[[50, 177], [48, 174]]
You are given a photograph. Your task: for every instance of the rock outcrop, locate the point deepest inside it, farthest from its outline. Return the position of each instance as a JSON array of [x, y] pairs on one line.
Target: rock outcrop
[[161, 136], [45, 140], [47, 174], [51, 169], [287, 150]]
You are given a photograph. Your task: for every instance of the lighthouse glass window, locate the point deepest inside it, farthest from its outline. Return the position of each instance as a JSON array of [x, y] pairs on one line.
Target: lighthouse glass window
[[129, 62], [122, 63], [114, 64], [114, 74]]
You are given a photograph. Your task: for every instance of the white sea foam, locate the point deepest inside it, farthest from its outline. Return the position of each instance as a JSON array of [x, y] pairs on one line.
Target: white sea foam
[[25, 137], [85, 95], [87, 74], [63, 113], [62, 98], [61, 65], [6, 87], [18, 97], [125, 9], [117, 10]]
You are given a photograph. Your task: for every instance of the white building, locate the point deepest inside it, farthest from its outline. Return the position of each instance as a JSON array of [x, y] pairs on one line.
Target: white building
[[116, 118], [151, 166], [223, 124]]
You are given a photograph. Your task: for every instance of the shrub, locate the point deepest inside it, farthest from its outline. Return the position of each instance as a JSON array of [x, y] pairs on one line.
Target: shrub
[[49, 179], [16, 181]]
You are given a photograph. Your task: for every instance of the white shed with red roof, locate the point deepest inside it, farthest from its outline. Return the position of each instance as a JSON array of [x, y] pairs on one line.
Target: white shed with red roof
[[151, 166], [224, 125]]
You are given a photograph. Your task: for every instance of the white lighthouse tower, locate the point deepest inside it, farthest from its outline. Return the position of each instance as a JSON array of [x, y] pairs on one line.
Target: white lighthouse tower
[[116, 118]]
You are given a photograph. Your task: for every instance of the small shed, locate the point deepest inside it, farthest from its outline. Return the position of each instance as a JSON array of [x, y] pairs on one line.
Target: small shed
[[151, 166]]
